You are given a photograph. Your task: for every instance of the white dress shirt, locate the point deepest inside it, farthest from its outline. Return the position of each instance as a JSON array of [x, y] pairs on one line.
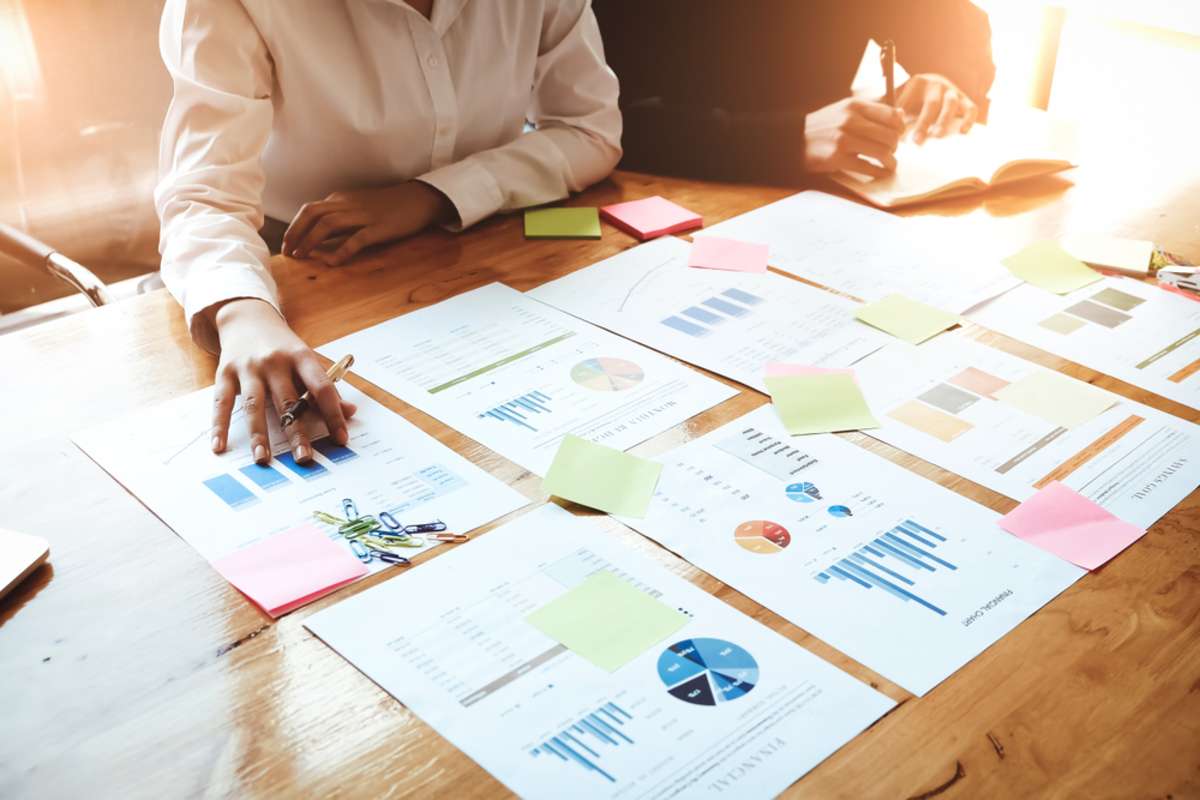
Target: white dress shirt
[[281, 102]]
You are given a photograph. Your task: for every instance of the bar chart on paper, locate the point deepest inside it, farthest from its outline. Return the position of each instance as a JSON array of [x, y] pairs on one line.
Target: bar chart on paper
[[584, 742], [883, 564], [519, 410]]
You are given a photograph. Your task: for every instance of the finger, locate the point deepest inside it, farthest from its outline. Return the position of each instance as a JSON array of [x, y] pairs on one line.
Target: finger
[[348, 409], [969, 116], [929, 112], [254, 406], [224, 394], [322, 393], [332, 224], [859, 146], [366, 237], [887, 135], [284, 395], [305, 218], [880, 113], [951, 108]]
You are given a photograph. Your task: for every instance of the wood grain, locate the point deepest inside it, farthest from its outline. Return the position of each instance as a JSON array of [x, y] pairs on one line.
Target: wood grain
[[131, 669]]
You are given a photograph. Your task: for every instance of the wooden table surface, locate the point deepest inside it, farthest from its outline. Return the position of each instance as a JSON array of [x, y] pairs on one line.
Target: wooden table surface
[[129, 668]]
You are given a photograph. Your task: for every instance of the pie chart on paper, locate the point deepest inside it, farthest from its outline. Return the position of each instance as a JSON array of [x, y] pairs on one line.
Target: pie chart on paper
[[762, 536], [707, 672], [604, 374]]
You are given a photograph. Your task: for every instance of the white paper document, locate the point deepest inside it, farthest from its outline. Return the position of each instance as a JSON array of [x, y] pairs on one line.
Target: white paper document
[[869, 254], [732, 323], [723, 707], [1125, 328], [517, 376], [900, 574], [222, 503], [1014, 426]]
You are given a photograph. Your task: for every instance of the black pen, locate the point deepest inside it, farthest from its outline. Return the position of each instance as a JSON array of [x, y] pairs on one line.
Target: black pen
[[334, 373], [887, 60]]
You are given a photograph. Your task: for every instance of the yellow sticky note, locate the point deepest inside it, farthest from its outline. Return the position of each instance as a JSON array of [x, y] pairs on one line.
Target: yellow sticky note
[[1130, 256], [562, 223], [1047, 266], [821, 403], [607, 620], [1056, 398], [602, 478], [906, 319]]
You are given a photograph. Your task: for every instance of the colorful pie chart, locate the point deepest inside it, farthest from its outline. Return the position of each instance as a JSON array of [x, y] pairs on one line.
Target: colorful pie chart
[[606, 374], [762, 536], [707, 672], [804, 492]]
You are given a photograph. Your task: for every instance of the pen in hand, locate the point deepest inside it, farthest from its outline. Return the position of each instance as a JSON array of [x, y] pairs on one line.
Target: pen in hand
[[334, 373]]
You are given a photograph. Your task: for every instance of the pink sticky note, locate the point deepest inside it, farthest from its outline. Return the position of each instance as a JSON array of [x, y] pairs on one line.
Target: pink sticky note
[[713, 252], [290, 569], [650, 217], [1069, 525]]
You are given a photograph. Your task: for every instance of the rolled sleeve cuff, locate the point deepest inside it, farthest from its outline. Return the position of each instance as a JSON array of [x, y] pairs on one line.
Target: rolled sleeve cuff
[[470, 187], [203, 295]]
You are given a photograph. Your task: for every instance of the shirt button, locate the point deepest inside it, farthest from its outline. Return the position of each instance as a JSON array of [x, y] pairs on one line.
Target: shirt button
[[432, 61]]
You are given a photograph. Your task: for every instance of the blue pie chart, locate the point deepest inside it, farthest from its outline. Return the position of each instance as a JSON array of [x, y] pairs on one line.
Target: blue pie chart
[[840, 511], [707, 672], [804, 492]]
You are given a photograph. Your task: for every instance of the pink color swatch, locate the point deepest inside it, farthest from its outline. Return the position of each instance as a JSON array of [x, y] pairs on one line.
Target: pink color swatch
[[290, 569], [650, 217], [713, 252], [1069, 525]]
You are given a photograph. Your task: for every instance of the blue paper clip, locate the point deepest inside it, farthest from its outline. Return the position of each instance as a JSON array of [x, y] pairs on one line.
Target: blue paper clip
[[388, 520], [349, 509], [363, 552], [391, 558], [426, 527]]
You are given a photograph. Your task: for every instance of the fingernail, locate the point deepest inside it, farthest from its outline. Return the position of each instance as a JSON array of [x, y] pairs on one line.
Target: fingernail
[[216, 444], [303, 453], [260, 453], [342, 435]]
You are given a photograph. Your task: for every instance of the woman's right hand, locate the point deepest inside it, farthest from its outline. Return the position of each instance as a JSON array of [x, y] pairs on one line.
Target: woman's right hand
[[845, 135], [270, 366]]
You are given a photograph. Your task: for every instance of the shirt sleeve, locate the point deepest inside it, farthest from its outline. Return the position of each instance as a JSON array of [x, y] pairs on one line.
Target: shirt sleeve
[[209, 196], [577, 136]]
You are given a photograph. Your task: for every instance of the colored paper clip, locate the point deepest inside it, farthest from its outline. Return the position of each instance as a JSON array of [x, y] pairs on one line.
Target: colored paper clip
[[329, 519], [349, 508], [391, 558], [380, 540], [448, 537], [363, 552]]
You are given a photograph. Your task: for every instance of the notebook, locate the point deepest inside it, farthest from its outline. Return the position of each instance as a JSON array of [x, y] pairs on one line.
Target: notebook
[[20, 554], [962, 164]]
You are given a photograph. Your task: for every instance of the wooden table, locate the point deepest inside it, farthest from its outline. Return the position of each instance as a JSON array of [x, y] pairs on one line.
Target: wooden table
[[129, 668]]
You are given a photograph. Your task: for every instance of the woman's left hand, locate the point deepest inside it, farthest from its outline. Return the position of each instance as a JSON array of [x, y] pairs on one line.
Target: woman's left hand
[[363, 218], [938, 106]]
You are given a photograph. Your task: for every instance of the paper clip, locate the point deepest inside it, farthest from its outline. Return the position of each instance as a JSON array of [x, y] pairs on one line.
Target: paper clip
[[329, 519], [426, 527], [363, 552], [391, 558], [349, 508], [448, 537]]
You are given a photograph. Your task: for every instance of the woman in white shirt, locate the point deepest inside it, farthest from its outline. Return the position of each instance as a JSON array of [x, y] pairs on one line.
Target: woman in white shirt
[[362, 121]]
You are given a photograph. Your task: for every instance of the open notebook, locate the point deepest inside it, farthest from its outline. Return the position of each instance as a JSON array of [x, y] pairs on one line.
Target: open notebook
[[964, 164]]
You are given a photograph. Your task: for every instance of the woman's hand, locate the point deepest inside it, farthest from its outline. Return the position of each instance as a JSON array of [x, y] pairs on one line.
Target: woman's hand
[[268, 364], [363, 218], [939, 107], [838, 136]]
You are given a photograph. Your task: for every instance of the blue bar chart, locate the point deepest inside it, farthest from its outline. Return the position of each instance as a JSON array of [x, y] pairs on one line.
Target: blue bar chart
[[233, 493], [519, 411], [264, 476], [333, 451], [699, 320], [583, 742], [893, 562]]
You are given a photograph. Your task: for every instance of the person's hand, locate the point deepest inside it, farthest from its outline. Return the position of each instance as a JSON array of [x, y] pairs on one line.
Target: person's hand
[[363, 218], [843, 135], [938, 107], [268, 364]]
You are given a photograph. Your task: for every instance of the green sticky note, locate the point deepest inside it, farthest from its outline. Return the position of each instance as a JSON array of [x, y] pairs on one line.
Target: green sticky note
[[906, 319], [1048, 266], [607, 620], [562, 223], [1056, 398], [602, 478], [821, 403]]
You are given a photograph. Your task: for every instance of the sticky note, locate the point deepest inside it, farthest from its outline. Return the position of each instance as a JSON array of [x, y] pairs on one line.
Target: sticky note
[[607, 620], [651, 217], [1048, 266], [1056, 398], [562, 223], [779, 369], [1071, 526], [1130, 256], [602, 478], [906, 319], [713, 252], [292, 568], [820, 403]]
